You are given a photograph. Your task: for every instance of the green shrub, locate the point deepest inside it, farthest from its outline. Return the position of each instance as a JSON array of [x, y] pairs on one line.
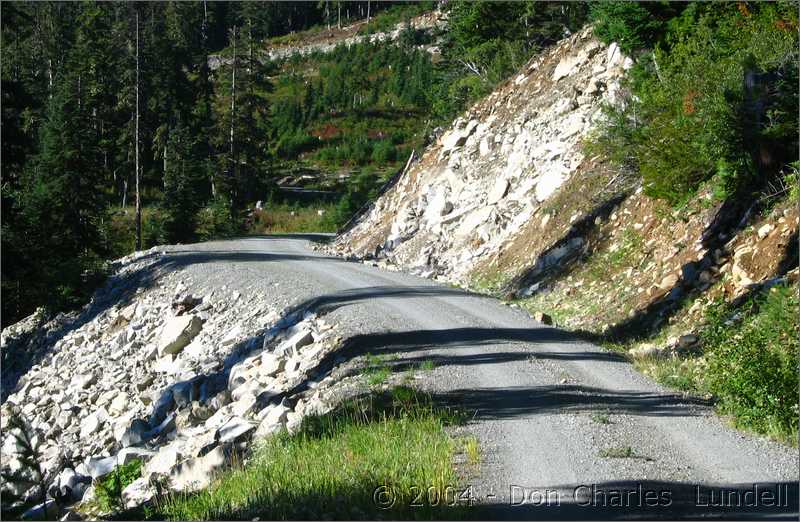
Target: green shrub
[[384, 152], [753, 365], [108, 491], [633, 25], [217, 220], [712, 102]]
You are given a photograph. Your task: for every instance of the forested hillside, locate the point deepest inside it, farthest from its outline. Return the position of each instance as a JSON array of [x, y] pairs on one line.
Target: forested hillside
[[94, 93]]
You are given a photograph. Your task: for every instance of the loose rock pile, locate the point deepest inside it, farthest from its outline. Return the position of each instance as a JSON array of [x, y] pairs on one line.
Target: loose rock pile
[[496, 168], [179, 381], [428, 22]]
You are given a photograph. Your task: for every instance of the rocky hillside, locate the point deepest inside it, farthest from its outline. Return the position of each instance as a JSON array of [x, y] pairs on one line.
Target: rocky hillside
[[510, 199], [485, 188], [164, 366], [326, 41]]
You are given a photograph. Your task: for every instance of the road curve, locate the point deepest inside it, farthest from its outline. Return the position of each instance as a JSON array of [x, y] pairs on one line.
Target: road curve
[[547, 406]]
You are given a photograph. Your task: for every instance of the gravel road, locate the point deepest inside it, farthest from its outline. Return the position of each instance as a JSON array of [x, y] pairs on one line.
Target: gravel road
[[566, 429]]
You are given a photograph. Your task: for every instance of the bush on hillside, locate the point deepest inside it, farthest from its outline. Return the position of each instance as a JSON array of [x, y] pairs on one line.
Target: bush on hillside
[[719, 99], [632, 25], [753, 365]]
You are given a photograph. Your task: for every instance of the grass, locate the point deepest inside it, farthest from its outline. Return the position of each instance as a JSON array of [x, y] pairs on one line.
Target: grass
[[629, 253], [621, 452], [377, 371], [368, 459], [676, 372], [601, 418], [282, 218], [427, 365], [108, 491], [472, 450], [489, 281]]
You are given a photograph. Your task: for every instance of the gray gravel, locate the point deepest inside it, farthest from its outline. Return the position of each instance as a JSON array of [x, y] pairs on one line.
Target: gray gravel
[[535, 392]]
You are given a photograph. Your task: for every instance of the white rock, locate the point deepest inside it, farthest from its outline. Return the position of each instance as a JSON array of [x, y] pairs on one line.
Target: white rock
[[235, 429], [177, 333], [99, 467], [499, 191], [197, 473], [273, 418], [271, 364], [138, 492], [566, 66], [90, 425], [163, 461]]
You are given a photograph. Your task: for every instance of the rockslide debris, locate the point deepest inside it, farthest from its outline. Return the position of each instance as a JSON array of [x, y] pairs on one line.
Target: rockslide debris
[[178, 381]]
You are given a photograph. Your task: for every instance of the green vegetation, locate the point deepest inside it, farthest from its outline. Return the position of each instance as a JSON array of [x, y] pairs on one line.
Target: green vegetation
[[622, 452], [343, 465], [749, 364], [753, 362], [211, 143], [427, 365], [715, 98], [376, 369], [396, 14], [488, 41], [472, 450], [601, 418], [108, 491]]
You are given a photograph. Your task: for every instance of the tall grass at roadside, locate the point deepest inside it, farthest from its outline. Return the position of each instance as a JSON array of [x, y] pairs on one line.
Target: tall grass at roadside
[[283, 218], [332, 468], [753, 363]]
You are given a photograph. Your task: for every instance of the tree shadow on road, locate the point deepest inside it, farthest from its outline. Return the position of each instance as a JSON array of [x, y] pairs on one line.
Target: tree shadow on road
[[647, 500]]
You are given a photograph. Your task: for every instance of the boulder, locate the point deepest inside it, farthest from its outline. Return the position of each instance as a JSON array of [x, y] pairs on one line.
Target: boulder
[[69, 486], [566, 66], [764, 230], [99, 467], [234, 430], [271, 364], [301, 337], [162, 462], [197, 473], [274, 418], [135, 433], [498, 191], [138, 492], [90, 425], [177, 333], [127, 455], [687, 342]]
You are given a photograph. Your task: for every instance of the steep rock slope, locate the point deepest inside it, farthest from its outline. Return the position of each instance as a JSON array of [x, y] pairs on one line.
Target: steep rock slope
[[472, 194]]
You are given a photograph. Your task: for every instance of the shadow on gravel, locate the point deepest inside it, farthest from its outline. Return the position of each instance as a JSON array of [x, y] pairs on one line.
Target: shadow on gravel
[[502, 403], [508, 402], [327, 303], [648, 500]]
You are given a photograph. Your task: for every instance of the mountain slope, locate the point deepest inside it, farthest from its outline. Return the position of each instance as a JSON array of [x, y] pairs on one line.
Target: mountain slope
[[473, 193]]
